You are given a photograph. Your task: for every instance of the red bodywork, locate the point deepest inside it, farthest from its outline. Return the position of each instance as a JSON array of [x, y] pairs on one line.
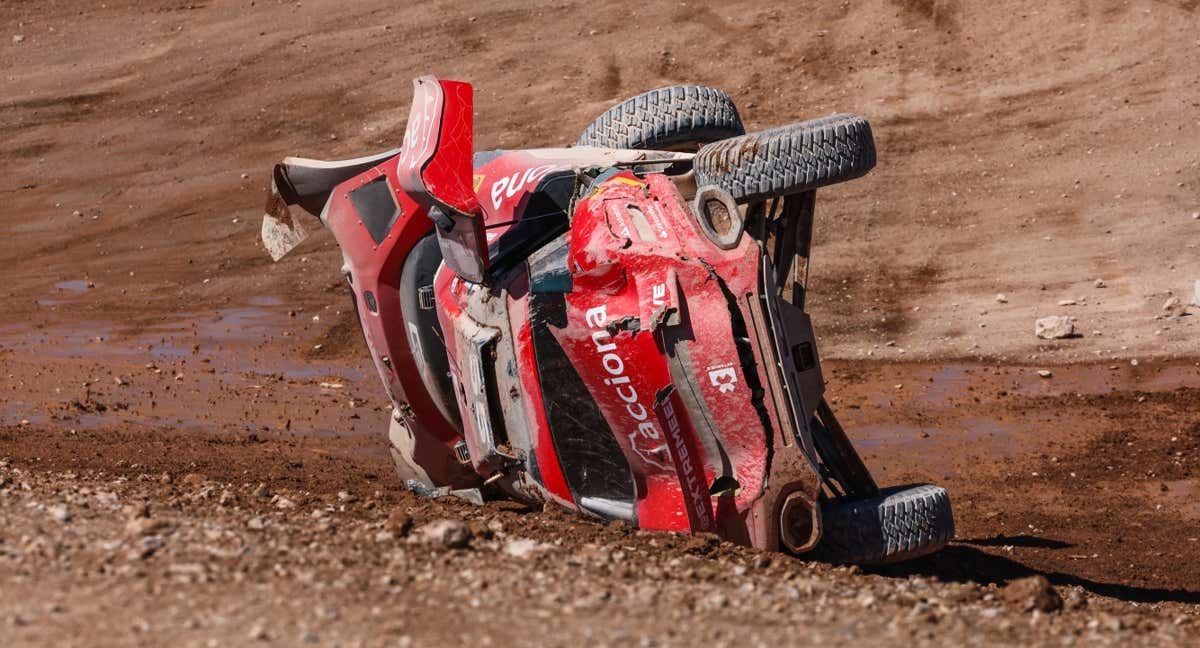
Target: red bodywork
[[661, 326]]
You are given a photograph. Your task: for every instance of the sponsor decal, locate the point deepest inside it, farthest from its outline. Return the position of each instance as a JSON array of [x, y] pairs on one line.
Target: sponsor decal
[[687, 462], [509, 186], [658, 294], [645, 437], [724, 378]]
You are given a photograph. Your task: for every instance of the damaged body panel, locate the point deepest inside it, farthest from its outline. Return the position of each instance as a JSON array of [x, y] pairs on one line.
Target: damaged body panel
[[583, 327]]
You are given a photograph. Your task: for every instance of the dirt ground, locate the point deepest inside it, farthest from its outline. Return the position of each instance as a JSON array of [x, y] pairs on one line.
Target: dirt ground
[[191, 437]]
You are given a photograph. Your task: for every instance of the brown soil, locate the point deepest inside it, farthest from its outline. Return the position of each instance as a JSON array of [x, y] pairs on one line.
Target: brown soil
[[152, 354]]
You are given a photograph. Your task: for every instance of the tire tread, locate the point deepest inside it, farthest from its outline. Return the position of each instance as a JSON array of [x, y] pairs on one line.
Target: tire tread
[[666, 117]]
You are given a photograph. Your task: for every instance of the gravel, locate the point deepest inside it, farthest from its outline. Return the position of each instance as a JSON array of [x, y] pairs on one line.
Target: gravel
[[194, 572]]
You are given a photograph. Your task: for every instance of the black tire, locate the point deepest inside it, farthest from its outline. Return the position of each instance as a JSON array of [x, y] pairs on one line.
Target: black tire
[[675, 118], [901, 523], [789, 159]]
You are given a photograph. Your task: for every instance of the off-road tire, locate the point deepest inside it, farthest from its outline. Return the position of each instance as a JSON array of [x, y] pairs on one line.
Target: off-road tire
[[789, 159], [677, 118], [900, 523]]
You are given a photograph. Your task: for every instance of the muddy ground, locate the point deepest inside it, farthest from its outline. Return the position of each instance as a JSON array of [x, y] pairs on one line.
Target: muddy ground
[[191, 438]]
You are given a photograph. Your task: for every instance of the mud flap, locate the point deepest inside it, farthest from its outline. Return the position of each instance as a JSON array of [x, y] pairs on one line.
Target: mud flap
[[281, 231]]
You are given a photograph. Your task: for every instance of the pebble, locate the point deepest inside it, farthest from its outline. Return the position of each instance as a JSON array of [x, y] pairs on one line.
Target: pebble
[[59, 512], [1002, 298], [18, 39], [1100, 284], [258, 632], [1067, 302], [1054, 327], [1172, 303], [1045, 373], [1033, 593], [399, 523], [145, 526], [523, 547], [452, 534]]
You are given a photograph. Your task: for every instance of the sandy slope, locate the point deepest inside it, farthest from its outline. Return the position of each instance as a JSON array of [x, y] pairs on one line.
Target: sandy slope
[[1025, 149]]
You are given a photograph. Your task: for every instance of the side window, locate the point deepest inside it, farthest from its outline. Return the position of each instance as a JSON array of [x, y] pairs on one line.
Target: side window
[[376, 207]]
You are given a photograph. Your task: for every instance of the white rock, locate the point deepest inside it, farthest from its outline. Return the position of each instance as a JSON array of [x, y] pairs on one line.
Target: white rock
[[1100, 283], [1045, 373], [447, 533], [1054, 327], [1002, 298], [18, 39], [1067, 302], [1196, 293], [1172, 303], [59, 512], [523, 547]]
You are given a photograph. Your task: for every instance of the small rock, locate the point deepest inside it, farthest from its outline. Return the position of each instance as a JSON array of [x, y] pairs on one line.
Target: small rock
[[1045, 373], [1033, 593], [18, 39], [77, 213], [141, 526], [245, 176], [59, 512], [262, 491], [346, 497], [1172, 303], [453, 534], [147, 547], [193, 479], [523, 547], [258, 632], [1100, 284], [399, 524], [1002, 298], [1067, 302], [1196, 293], [257, 523], [1054, 327], [1075, 599]]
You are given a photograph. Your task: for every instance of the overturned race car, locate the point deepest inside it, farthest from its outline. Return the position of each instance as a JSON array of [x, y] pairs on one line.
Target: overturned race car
[[617, 327]]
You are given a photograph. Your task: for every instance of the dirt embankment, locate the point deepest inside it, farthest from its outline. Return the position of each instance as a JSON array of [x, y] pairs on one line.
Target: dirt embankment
[[1034, 160]]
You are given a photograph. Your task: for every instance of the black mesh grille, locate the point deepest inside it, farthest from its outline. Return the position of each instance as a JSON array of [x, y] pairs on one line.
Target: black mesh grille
[[592, 462]]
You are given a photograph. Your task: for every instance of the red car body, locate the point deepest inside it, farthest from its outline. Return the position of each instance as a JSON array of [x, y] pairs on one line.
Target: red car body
[[564, 326], [619, 370]]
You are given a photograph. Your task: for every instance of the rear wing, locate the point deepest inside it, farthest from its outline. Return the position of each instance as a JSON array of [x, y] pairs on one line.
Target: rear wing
[[434, 167], [435, 170]]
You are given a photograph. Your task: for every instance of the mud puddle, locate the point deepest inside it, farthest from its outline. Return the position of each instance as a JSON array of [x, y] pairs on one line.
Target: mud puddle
[[234, 370]]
